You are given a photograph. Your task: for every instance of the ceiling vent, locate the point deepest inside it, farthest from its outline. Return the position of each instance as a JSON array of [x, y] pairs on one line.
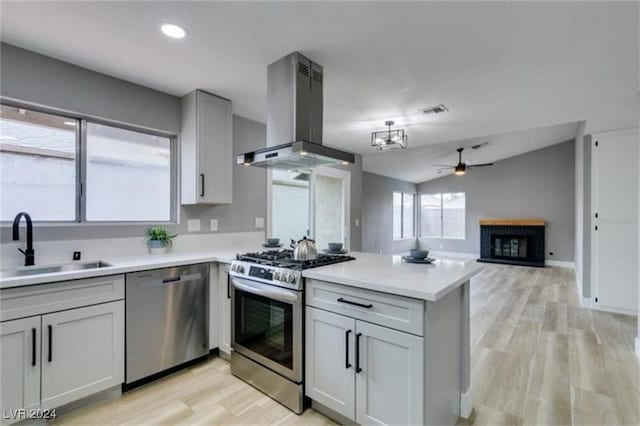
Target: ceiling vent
[[438, 109], [480, 145]]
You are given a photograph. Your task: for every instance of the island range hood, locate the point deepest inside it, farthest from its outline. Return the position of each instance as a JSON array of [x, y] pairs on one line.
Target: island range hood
[[294, 119]]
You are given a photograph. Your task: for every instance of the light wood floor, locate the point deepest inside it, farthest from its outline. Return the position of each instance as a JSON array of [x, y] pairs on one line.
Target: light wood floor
[[537, 358]]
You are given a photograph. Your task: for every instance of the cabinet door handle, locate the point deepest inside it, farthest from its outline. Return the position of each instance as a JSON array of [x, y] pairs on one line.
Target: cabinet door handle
[[346, 343], [228, 287], [33, 347], [202, 184], [50, 356], [358, 369], [349, 302]]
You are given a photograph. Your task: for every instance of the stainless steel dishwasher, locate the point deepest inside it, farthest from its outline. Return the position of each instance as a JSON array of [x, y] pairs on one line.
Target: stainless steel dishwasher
[[167, 316]]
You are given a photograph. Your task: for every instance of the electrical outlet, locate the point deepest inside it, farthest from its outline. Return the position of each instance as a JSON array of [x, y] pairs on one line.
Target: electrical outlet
[[357, 221], [193, 225], [259, 222], [214, 225]]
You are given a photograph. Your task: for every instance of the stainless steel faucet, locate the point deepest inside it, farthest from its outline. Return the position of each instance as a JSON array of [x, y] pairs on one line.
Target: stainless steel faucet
[[29, 253]]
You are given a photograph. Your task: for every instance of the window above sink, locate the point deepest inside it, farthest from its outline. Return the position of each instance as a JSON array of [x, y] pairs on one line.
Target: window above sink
[[66, 169]]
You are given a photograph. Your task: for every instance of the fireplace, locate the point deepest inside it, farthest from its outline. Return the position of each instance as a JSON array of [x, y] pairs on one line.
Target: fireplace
[[512, 241]]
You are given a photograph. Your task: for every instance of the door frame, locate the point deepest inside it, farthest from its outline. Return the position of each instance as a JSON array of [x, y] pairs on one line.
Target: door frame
[[345, 175]]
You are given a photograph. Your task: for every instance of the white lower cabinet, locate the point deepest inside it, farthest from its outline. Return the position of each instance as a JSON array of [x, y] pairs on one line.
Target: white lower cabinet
[[330, 377], [19, 365], [389, 388], [83, 352], [224, 296], [50, 359], [368, 373]]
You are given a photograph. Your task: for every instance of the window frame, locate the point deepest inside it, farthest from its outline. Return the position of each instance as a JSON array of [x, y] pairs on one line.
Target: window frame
[[442, 237], [81, 168], [402, 195]]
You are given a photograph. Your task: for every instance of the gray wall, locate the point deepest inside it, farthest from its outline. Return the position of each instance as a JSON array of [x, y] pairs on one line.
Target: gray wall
[[36, 79], [377, 214], [538, 184], [42, 80]]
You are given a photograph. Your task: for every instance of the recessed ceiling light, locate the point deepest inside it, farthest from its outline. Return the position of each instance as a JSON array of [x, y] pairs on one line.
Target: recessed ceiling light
[[173, 31], [70, 123]]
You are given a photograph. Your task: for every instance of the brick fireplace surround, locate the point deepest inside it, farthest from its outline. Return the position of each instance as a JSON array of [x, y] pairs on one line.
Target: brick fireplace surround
[[512, 241]]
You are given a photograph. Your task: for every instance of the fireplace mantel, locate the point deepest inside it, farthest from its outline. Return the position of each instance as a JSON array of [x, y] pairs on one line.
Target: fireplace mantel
[[513, 222]]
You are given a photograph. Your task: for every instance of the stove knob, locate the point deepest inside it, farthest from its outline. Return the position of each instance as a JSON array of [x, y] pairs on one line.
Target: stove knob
[[240, 269], [277, 275], [234, 267], [291, 278]]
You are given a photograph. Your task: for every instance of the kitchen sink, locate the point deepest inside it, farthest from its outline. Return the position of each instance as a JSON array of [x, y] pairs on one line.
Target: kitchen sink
[[50, 269]]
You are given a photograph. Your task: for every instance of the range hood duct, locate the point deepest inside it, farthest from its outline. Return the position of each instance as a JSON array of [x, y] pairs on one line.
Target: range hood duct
[[294, 119]]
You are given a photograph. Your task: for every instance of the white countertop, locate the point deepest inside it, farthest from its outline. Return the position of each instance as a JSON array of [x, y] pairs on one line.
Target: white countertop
[[126, 264], [389, 274], [385, 273]]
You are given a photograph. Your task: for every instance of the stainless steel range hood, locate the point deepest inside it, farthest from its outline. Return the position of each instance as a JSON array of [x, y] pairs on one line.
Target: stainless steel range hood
[[294, 119]]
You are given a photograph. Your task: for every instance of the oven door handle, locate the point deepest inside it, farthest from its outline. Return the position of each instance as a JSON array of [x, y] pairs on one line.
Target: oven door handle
[[266, 290]]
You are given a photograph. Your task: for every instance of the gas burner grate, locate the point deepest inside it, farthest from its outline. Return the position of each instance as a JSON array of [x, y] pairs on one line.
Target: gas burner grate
[[284, 259]]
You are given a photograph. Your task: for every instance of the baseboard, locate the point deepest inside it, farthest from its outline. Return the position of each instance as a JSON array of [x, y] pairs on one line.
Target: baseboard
[[466, 403], [454, 254], [560, 263], [613, 310]]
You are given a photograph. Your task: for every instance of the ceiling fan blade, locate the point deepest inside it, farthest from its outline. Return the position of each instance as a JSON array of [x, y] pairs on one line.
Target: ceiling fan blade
[[443, 165], [479, 165]]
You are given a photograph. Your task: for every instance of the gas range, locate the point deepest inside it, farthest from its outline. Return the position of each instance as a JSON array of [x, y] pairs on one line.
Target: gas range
[[277, 267]]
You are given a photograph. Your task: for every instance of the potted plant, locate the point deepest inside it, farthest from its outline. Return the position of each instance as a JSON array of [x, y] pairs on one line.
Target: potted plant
[[159, 240]]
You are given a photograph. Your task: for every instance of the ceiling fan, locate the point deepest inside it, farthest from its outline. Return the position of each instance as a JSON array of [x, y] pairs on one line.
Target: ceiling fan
[[461, 168]]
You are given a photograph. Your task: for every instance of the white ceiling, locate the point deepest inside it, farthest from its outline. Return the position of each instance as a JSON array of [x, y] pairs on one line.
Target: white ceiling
[[499, 67], [417, 165]]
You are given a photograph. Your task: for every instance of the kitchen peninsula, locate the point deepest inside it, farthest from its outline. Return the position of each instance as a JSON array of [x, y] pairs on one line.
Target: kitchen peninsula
[[387, 342]]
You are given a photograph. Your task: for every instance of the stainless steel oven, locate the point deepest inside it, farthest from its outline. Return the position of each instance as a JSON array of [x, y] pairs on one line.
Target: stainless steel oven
[[266, 331], [266, 326]]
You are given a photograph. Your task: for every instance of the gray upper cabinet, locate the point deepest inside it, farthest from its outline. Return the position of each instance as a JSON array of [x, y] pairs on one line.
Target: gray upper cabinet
[[206, 149]]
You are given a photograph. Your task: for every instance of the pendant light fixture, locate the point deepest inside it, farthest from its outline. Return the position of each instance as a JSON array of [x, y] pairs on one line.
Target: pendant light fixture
[[389, 139]]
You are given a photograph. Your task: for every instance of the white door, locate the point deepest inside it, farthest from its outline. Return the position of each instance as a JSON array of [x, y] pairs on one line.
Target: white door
[[224, 295], [389, 386], [19, 365], [330, 374], [82, 352], [330, 201], [615, 202]]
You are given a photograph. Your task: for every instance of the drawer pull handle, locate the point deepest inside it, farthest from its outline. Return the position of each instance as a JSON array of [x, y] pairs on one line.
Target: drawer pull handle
[[358, 369], [349, 302], [346, 342], [33, 347], [50, 357]]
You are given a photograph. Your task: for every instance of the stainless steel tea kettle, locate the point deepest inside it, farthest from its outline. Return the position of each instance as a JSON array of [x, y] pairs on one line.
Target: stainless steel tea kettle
[[304, 249]]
